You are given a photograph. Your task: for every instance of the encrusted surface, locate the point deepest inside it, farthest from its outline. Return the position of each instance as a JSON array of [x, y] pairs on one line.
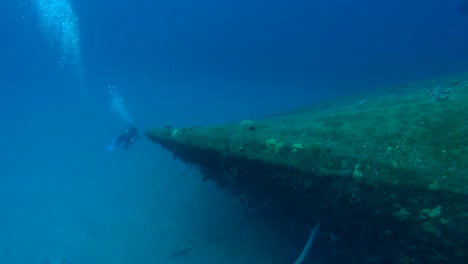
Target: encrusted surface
[[395, 167]]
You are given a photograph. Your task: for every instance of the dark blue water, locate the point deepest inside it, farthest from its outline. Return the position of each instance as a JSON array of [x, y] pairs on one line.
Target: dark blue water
[[63, 198]]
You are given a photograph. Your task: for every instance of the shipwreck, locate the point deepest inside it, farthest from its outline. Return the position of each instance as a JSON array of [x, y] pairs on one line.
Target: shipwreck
[[388, 169]]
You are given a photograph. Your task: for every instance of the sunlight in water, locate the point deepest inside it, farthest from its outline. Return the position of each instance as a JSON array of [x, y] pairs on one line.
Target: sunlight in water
[[118, 106], [59, 24]]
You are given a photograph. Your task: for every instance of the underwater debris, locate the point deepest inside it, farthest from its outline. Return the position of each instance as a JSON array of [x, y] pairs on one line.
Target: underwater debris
[[438, 94], [459, 83], [296, 147], [309, 243], [357, 174], [273, 146], [248, 123], [428, 213]]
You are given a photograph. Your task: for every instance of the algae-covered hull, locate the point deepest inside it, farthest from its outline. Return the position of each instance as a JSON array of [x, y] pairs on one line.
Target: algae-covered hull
[[390, 171]]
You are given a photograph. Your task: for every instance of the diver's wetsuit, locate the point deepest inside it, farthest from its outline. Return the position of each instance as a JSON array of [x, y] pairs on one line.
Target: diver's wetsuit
[[128, 136]]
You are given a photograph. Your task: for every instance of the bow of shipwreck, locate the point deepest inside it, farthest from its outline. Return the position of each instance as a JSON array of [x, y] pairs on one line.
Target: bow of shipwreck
[[389, 171]]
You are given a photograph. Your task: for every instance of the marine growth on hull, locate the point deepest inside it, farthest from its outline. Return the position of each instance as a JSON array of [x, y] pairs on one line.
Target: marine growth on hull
[[389, 170]]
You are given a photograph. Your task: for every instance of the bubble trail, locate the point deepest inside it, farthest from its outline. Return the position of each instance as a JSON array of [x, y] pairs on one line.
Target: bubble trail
[[118, 106], [59, 25]]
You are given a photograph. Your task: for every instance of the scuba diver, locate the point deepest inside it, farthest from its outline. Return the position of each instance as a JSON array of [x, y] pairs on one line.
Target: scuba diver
[[127, 137]]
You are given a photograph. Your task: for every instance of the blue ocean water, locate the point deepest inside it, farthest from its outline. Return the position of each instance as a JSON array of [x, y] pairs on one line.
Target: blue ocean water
[[73, 74]]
